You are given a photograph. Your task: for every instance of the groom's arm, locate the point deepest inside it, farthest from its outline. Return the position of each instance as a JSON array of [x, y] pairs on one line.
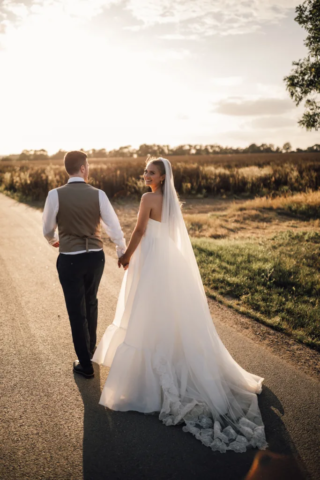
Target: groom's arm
[[111, 223], [49, 217]]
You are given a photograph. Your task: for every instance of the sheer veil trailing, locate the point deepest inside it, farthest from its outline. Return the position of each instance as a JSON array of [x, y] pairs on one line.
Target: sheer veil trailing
[[173, 224], [229, 418], [163, 349]]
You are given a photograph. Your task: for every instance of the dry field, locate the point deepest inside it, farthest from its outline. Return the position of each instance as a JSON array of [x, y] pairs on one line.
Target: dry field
[[236, 160], [236, 218], [201, 176]]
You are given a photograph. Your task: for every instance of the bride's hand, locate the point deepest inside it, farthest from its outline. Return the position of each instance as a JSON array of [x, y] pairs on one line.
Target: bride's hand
[[124, 262]]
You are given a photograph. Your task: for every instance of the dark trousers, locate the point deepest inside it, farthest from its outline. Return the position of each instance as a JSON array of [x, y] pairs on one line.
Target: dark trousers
[[80, 276]]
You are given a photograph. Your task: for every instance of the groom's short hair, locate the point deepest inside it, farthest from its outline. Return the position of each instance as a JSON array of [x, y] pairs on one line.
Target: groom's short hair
[[73, 161]]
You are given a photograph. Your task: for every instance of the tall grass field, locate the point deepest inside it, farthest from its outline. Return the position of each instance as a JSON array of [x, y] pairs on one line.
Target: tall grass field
[[259, 174]]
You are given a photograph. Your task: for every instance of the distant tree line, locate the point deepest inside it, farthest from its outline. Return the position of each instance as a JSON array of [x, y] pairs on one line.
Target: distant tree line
[[162, 150]]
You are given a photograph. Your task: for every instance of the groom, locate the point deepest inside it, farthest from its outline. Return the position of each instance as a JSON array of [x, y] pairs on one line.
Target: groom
[[77, 209]]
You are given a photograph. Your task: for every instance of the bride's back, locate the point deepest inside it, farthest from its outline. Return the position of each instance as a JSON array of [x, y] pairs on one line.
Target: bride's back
[[156, 200]]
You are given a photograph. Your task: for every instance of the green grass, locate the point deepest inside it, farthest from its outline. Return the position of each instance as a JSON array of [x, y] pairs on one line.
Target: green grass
[[304, 210], [276, 280]]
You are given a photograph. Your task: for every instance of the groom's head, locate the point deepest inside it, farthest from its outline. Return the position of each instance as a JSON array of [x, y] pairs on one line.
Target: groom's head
[[76, 164]]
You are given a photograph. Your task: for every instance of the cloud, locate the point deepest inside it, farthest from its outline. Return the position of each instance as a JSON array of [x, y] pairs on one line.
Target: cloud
[[190, 19], [264, 106], [13, 12], [272, 122], [208, 17], [176, 36]]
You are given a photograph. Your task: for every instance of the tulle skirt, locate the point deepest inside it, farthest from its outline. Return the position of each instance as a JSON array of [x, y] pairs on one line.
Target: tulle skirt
[[165, 355]]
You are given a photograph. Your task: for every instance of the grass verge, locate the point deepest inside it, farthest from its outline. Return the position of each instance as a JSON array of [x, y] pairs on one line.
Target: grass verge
[[304, 204], [276, 281], [19, 197]]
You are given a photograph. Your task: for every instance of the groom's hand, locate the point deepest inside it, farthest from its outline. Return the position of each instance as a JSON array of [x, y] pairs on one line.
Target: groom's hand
[[56, 245]]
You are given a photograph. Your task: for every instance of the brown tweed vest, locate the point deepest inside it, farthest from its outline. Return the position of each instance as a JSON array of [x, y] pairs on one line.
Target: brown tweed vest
[[78, 217]]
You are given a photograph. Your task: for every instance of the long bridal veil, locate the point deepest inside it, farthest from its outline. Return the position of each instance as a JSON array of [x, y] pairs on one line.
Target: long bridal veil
[[174, 226], [163, 348], [219, 395]]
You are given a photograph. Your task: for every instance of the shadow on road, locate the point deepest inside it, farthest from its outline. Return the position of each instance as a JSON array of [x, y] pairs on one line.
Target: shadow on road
[[278, 436], [128, 446]]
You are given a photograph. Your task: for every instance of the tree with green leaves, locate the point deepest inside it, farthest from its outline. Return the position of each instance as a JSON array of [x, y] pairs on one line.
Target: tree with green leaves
[[304, 80]]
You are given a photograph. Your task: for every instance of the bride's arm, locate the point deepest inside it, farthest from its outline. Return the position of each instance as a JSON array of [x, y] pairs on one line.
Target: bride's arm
[[139, 229]]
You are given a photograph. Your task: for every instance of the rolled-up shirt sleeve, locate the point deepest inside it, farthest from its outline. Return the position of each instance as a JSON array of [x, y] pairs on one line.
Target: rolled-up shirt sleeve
[[49, 217], [111, 223]]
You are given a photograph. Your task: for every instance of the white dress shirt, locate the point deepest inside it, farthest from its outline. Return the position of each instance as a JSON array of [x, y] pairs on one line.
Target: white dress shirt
[[110, 221]]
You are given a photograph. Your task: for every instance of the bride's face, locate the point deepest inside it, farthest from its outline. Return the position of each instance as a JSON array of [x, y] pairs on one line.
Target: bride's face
[[152, 176]]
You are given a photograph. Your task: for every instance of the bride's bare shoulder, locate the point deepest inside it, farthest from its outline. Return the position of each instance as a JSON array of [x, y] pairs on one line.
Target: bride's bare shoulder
[[147, 196], [150, 197]]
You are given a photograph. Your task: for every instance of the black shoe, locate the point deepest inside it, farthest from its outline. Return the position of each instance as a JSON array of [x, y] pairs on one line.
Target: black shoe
[[87, 372]]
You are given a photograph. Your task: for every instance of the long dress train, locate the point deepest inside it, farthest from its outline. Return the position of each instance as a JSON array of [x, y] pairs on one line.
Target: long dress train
[[166, 356]]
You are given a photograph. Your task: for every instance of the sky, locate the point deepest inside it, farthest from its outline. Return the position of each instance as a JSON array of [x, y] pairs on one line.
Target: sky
[[109, 73]]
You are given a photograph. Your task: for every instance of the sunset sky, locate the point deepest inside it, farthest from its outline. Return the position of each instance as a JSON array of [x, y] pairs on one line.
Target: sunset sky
[[107, 73]]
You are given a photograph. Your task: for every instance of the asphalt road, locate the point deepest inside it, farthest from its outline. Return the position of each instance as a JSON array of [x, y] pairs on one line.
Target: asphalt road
[[52, 426]]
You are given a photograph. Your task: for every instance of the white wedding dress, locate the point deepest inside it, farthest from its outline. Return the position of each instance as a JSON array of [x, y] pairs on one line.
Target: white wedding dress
[[163, 349]]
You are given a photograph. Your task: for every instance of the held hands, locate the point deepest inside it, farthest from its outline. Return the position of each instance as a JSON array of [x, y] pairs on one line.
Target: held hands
[[124, 262], [56, 245]]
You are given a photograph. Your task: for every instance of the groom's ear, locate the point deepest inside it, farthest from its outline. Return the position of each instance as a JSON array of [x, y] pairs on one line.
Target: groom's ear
[[74, 160]]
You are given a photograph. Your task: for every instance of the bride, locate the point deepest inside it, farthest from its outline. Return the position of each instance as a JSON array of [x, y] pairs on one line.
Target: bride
[[163, 349]]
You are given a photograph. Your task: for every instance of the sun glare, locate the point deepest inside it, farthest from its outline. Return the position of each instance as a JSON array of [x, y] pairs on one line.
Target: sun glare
[[67, 84], [67, 78]]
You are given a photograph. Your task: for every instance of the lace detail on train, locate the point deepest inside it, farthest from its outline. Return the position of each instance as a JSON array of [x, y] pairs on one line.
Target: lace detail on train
[[199, 421]]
